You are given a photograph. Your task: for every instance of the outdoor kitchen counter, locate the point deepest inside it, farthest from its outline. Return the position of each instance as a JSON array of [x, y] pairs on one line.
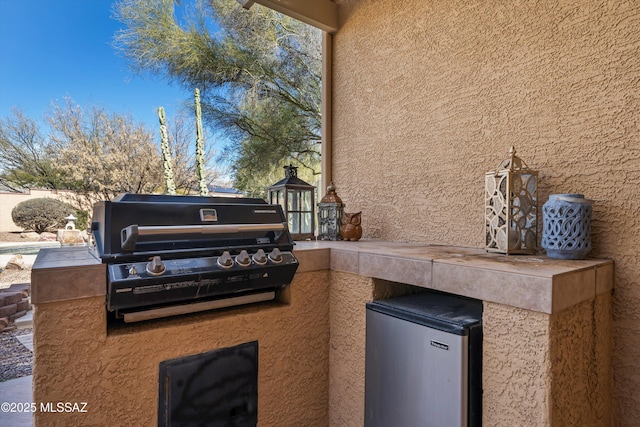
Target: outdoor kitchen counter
[[535, 282], [547, 328], [67, 273], [547, 325]]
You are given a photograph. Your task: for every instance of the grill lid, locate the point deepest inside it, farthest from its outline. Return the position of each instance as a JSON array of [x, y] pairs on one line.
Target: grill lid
[[135, 226]]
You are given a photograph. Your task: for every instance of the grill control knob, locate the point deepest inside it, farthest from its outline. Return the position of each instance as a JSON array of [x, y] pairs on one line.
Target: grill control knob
[[260, 257], [225, 260], [133, 271], [275, 255], [156, 267], [243, 259]]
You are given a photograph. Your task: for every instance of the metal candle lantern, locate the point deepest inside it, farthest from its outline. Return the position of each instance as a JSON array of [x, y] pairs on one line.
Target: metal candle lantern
[[511, 207], [297, 200], [330, 211]]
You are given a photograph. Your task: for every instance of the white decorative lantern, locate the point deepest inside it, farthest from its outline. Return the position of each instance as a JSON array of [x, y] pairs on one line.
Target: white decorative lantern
[[71, 222], [511, 207]]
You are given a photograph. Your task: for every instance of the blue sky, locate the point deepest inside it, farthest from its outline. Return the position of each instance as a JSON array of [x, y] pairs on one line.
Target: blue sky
[[52, 49]]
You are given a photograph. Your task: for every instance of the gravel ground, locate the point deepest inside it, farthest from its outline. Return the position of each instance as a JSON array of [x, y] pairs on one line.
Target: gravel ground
[[7, 277], [16, 360], [6, 236]]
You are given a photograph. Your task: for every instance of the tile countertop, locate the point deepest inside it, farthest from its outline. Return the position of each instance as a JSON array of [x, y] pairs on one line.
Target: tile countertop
[[535, 283], [66, 273], [532, 282]]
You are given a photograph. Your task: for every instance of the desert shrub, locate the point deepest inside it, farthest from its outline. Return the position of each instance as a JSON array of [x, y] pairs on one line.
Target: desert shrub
[[83, 219], [41, 214]]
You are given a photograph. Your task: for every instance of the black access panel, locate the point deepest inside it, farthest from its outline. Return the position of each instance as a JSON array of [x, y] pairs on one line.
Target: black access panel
[[213, 389]]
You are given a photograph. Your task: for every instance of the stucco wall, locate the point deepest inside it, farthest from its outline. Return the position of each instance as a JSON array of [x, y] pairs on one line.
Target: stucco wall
[[580, 348], [429, 95], [538, 369], [515, 367], [547, 370], [347, 348], [116, 373], [349, 294], [8, 201]]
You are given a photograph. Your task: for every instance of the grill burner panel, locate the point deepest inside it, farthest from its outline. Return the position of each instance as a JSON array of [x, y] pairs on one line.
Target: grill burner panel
[[192, 278], [171, 250]]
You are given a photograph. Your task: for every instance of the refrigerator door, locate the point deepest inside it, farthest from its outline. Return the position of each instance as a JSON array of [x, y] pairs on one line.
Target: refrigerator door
[[416, 376]]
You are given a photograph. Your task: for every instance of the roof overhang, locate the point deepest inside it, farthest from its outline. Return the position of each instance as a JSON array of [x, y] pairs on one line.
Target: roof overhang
[[322, 14]]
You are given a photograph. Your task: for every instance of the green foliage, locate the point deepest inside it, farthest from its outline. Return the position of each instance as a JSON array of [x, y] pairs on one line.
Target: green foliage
[[83, 219], [41, 214], [259, 73]]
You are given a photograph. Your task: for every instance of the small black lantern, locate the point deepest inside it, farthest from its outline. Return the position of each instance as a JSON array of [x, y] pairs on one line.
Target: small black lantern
[[297, 200], [330, 211]]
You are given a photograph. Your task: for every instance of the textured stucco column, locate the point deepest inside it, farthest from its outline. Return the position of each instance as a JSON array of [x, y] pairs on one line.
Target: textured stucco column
[[581, 371], [547, 370], [77, 359], [349, 294], [69, 339], [515, 367]]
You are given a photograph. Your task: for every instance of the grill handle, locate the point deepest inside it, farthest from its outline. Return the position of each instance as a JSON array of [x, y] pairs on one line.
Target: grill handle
[[129, 235]]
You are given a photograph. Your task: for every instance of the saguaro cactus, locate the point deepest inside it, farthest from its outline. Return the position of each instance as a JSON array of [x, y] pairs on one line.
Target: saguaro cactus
[[166, 155], [200, 171]]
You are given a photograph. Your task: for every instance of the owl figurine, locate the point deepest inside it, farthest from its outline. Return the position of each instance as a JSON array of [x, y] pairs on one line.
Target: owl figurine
[[351, 229]]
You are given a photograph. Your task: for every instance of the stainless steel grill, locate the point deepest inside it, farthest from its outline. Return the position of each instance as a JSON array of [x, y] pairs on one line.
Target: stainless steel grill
[[169, 255]]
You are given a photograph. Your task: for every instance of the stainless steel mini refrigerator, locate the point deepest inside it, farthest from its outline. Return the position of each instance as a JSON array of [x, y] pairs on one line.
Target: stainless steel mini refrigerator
[[424, 361]]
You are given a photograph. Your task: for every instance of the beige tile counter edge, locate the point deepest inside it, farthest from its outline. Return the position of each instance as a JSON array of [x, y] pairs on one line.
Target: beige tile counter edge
[[66, 273], [539, 284], [535, 282]]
